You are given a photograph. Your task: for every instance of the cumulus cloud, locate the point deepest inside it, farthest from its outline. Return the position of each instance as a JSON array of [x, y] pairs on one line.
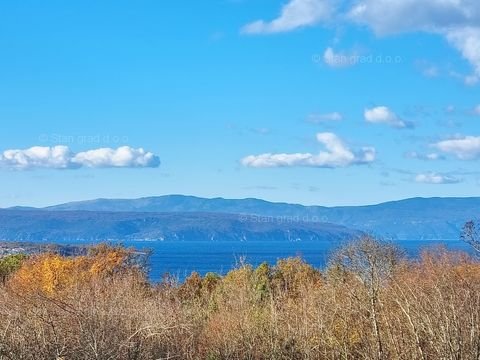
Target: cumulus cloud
[[458, 21], [61, 157], [435, 178], [383, 115], [57, 157], [337, 154], [339, 59], [294, 14], [467, 41], [464, 148], [124, 156], [320, 118], [395, 16]]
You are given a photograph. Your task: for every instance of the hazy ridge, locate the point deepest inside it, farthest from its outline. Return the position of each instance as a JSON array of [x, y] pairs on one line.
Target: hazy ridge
[[180, 217]]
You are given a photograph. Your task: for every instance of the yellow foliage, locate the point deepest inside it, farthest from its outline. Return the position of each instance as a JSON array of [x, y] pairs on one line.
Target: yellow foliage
[[52, 274], [95, 306], [106, 262], [293, 274]]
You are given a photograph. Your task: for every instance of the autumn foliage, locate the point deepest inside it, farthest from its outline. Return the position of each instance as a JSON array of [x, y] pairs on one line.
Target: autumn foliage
[[52, 274], [370, 303]]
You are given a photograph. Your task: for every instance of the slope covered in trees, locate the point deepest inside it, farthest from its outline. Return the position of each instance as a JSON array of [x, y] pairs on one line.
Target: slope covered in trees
[[370, 303]]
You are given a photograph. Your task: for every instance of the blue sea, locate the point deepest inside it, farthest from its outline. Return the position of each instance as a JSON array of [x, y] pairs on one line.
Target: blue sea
[[180, 258]]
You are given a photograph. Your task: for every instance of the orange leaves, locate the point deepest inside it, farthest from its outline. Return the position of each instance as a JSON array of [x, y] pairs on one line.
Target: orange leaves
[[46, 273], [95, 306], [52, 274], [108, 261]]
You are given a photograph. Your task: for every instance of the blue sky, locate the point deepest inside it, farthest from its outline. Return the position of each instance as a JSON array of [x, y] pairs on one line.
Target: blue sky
[[309, 101]]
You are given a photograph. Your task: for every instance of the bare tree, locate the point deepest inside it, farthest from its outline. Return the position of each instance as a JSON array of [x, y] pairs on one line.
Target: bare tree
[[471, 235], [370, 304], [372, 262]]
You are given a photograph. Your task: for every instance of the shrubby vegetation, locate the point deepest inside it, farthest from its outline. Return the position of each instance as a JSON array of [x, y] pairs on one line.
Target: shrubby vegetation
[[370, 303], [9, 264]]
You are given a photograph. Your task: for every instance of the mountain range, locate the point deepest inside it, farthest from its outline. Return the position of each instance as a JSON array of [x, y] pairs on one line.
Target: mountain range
[[39, 225], [181, 217]]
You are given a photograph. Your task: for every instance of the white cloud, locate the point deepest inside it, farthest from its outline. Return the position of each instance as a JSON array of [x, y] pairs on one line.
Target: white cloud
[[319, 118], [339, 59], [395, 16], [435, 178], [57, 157], [419, 156], [294, 14], [464, 148], [467, 41], [383, 115], [458, 21], [124, 156], [337, 154], [61, 157]]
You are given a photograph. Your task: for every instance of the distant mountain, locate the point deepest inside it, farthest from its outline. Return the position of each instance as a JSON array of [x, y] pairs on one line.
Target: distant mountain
[[181, 203], [417, 218], [38, 225], [23, 208]]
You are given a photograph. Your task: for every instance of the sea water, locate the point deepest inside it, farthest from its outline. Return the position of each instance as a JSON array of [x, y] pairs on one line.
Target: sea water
[[181, 258]]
